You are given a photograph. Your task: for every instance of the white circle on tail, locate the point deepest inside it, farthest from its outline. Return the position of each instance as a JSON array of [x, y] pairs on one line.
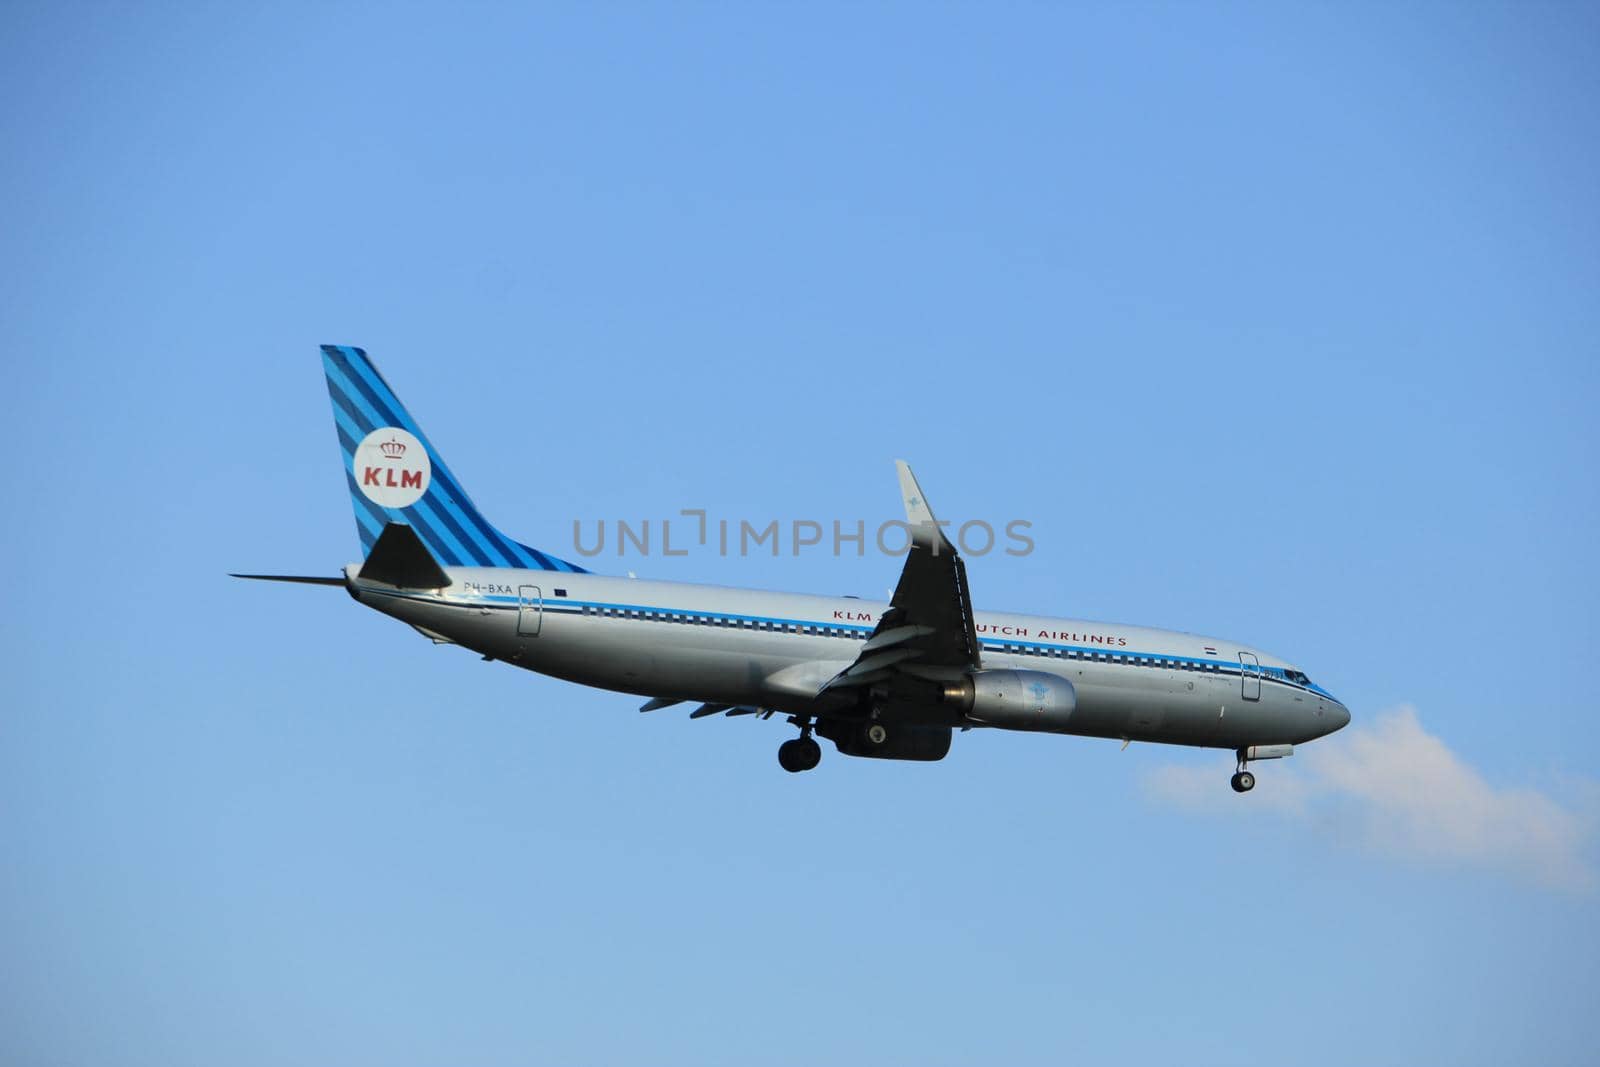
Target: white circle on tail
[[392, 467]]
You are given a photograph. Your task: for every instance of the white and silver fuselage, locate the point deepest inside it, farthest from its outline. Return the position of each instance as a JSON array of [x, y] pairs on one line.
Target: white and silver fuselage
[[746, 647]]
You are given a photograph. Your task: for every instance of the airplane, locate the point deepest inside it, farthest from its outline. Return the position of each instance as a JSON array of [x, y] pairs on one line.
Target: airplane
[[885, 680]]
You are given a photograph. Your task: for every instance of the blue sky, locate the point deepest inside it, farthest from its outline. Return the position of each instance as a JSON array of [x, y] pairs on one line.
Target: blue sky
[[1276, 322]]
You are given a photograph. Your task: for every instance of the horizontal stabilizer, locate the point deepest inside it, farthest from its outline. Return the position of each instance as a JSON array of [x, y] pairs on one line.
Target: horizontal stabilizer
[[302, 579], [399, 558]]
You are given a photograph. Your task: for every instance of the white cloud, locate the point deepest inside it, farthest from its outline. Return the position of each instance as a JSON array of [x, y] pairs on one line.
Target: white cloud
[[1399, 789]]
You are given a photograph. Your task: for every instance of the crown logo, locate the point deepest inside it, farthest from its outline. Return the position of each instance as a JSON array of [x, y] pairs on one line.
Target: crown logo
[[393, 449]]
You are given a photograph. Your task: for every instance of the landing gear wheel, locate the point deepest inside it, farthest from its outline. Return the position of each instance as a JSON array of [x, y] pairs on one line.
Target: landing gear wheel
[[800, 754], [876, 734], [1243, 782]]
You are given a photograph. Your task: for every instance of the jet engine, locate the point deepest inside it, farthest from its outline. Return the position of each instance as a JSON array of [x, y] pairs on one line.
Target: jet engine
[[1014, 700]]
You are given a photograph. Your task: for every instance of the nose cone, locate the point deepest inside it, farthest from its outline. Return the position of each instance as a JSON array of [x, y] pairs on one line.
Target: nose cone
[[1338, 717], [1330, 715]]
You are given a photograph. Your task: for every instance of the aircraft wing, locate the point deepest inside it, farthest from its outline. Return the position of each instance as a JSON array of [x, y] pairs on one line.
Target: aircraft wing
[[927, 634]]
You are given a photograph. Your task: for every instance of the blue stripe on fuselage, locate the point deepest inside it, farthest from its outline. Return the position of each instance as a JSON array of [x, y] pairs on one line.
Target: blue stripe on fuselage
[[565, 606]]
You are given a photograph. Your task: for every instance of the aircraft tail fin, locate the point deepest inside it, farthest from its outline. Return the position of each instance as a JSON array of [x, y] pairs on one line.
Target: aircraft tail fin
[[396, 476]]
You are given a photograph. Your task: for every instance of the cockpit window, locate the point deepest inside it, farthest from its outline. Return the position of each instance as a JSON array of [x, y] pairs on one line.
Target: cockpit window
[[1297, 676]]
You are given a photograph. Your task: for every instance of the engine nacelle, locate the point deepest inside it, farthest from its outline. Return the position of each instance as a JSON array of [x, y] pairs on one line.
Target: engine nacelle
[[1015, 700]]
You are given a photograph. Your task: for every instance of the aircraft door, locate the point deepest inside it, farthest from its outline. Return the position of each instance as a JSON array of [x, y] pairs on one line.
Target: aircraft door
[[530, 610], [1250, 676]]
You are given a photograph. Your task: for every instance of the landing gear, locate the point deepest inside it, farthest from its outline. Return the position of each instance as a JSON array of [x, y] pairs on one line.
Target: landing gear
[[800, 754], [803, 752], [1242, 781], [875, 734]]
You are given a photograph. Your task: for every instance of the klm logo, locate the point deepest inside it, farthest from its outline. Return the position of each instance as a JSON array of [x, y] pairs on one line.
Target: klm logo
[[391, 467], [385, 478]]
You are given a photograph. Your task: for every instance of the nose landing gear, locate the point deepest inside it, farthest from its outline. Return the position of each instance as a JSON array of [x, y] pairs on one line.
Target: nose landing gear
[[1242, 781]]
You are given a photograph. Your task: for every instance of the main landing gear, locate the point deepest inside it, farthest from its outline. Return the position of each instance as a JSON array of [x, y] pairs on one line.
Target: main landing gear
[[802, 753]]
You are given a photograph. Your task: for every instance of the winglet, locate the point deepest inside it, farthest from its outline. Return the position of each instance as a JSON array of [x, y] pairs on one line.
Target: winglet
[[925, 529]]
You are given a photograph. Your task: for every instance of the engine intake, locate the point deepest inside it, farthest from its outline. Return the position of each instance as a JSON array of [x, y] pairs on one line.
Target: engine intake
[[1014, 700]]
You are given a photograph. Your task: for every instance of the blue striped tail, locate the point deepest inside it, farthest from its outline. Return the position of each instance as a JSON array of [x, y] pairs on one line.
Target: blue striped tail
[[396, 475]]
